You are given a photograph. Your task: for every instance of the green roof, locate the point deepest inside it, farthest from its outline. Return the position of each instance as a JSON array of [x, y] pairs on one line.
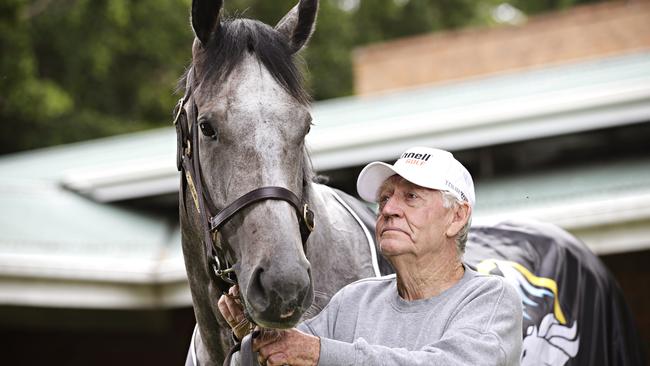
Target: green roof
[[60, 231], [480, 112]]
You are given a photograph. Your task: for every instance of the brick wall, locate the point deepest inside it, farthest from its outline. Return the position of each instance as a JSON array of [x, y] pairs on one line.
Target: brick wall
[[579, 33]]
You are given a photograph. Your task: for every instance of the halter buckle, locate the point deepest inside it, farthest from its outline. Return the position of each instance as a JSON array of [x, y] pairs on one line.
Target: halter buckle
[[308, 217], [179, 105]]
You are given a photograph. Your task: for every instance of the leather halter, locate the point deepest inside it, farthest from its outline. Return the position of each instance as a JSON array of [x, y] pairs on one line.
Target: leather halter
[[187, 162]]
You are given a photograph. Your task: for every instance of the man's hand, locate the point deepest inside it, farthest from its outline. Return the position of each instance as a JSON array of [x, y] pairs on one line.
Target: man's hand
[[231, 308], [287, 347]]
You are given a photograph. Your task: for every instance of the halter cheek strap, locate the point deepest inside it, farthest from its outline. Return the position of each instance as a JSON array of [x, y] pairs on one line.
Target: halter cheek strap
[[265, 193]]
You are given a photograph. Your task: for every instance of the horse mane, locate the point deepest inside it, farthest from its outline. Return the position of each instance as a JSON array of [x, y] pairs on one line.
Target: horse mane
[[237, 37]]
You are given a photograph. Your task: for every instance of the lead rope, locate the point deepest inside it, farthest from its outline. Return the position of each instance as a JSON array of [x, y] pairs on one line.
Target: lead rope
[[246, 353], [244, 347]]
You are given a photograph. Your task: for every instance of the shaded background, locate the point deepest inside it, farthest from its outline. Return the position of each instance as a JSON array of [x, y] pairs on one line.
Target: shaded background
[[76, 70]]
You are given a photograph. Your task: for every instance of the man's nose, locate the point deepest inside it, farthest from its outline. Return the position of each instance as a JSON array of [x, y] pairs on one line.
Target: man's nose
[[391, 207]]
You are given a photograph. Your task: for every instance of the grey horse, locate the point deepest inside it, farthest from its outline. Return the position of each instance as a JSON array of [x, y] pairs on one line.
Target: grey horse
[[245, 115]]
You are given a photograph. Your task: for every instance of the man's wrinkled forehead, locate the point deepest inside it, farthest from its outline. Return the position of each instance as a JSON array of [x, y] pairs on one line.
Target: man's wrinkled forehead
[[394, 180]]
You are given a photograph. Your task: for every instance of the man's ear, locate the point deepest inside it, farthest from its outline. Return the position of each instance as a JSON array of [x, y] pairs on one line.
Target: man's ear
[[460, 215]]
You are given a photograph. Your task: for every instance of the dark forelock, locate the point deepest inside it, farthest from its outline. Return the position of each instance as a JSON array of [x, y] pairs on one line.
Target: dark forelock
[[235, 38]]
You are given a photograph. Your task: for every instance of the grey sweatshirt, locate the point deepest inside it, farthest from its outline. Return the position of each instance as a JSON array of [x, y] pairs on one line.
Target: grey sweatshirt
[[475, 322]]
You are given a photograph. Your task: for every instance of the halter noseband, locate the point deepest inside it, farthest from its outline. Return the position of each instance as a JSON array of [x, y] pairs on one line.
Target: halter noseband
[[187, 162]]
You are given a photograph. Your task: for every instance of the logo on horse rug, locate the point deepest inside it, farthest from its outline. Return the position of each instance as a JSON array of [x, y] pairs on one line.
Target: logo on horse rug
[[548, 338]]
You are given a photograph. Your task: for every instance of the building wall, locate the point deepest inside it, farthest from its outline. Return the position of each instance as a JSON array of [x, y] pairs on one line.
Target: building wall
[[632, 274], [579, 33], [71, 337]]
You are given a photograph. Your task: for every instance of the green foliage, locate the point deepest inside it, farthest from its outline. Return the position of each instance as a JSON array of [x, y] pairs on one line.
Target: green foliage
[[327, 58], [73, 70]]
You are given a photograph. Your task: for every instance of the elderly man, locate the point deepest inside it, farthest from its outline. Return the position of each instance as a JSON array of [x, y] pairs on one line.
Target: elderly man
[[434, 310]]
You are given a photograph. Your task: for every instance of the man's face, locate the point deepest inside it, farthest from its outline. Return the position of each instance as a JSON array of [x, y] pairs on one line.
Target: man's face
[[412, 220]]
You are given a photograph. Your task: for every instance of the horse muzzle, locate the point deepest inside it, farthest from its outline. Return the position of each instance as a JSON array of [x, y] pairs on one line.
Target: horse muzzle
[[278, 297]]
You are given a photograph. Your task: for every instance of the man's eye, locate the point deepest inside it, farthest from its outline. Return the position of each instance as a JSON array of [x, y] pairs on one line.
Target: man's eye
[[382, 200], [411, 195]]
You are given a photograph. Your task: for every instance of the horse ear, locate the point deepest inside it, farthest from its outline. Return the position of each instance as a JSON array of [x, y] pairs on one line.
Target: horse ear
[[299, 24], [205, 18]]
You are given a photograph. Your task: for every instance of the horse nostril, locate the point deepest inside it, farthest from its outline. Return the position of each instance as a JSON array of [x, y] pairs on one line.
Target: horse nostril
[[256, 287]]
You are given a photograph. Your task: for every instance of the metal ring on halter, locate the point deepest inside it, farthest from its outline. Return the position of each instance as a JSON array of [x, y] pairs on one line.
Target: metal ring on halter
[[222, 273]]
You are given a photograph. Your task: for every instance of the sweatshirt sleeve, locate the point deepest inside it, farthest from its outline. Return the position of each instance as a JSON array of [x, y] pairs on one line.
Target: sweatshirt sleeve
[[485, 330]]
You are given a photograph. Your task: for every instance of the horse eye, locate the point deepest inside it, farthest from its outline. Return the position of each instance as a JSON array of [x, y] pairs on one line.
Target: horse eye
[[207, 130]]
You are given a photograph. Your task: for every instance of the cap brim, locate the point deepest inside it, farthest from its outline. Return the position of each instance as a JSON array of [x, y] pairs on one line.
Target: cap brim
[[371, 178]]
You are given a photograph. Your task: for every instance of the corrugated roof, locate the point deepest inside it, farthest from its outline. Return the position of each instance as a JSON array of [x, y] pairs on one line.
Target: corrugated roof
[[483, 112], [608, 194]]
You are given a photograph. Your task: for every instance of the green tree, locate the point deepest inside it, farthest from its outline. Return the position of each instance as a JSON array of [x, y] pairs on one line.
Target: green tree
[[79, 69], [26, 100], [327, 58], [82, 69]]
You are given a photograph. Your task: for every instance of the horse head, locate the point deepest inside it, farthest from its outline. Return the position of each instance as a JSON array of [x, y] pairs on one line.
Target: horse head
[[250, 115]]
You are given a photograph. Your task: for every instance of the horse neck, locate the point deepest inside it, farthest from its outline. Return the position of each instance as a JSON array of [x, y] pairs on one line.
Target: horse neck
[[337, 246]]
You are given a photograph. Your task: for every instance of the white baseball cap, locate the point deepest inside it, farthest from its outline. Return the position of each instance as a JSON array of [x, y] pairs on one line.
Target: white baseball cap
[[424, 166]]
